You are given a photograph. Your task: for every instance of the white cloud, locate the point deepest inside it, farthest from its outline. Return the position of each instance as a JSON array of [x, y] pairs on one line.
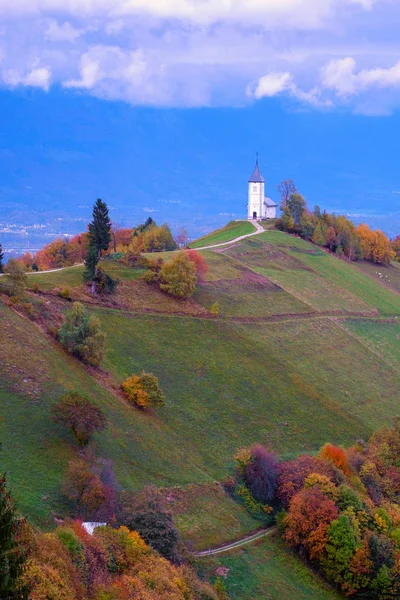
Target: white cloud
[[62, 33], [305, 13], [340, 76], [200, 52], [272, 84], [40, 77]]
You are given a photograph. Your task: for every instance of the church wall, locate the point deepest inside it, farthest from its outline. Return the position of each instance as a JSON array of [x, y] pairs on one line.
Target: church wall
[[255, 200]]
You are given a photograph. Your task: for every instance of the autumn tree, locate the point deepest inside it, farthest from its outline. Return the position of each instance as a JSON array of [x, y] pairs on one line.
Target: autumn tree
[[395, 246], [307, 521], [296, 205], [293, 474], [143, 390], [178, 276], [182, 239], [1, 259], [146, 513], [286, 188], [84, 487], [81, 416], [199, 263], [51, 572], [16, 278], [13, 552], [375, 244], [260, 474], [335, 455], [80, 334]]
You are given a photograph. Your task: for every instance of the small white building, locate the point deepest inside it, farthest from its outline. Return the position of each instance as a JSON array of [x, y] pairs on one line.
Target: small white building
[[259, 207]]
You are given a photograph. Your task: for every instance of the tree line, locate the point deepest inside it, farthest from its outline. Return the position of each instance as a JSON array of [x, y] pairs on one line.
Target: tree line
[[340, 509], [335, 232]]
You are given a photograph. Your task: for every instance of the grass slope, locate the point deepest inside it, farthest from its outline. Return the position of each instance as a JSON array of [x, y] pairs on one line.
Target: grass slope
[[269, 571], [337, 271], [271, 368], [73, 276], [231, 231]]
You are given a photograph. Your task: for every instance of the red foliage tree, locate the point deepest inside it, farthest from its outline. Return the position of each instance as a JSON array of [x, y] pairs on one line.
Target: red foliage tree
[[307, 521], [294, 472], [199, 263], [335, 455]]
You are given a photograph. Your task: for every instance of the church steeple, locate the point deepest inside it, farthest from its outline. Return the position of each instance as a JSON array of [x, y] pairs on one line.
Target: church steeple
[[256, 176]]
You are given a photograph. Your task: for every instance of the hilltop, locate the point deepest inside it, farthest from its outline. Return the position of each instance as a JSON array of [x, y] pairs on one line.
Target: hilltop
[[304, 347]]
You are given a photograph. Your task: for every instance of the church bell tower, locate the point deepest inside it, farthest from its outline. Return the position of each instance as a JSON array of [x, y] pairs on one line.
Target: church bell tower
[[255, 206]]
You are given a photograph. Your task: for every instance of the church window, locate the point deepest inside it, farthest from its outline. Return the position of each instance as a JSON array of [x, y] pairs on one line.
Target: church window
[[254, 188]]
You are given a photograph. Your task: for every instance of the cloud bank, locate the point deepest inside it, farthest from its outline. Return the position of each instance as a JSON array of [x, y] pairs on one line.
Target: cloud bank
[[318, 53]]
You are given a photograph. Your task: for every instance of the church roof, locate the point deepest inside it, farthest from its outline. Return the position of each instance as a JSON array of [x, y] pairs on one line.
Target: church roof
[[269, 202], [256, 177]]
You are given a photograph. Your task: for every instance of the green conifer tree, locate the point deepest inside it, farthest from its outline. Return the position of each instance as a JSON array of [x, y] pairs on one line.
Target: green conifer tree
[[91, 260], [100, 227], [12, 551], [1, 259]]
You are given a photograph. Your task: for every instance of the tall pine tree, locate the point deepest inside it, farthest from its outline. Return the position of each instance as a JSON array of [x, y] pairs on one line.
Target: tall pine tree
[[99, 240], [1, 259], [12, 548], [100, 227]]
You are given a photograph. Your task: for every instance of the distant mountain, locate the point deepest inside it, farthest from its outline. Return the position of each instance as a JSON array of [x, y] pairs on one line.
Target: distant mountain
[[187, 167]]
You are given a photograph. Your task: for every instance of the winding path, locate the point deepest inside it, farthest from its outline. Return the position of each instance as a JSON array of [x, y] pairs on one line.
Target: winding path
[[258, 227], [246, 540]]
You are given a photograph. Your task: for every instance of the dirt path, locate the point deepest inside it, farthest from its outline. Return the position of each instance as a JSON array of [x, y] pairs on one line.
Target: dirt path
[[258, 227], [246, 540]]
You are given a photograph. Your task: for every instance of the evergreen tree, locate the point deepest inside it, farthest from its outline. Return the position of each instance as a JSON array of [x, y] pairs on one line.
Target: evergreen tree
[[1, 259], [91, 260], [12, 551], [100, 227]]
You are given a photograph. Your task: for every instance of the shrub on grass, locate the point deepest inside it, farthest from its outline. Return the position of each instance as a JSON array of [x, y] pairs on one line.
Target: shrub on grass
[[65, 293], [105, 283], [79, 415], [178, 276], [16, 279], [80, 334], [143, 390]]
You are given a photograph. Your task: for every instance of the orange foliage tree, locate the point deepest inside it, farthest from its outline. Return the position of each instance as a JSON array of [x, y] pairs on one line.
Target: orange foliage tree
[[199, 263], [335, 455], [307, 521], [375, 244]]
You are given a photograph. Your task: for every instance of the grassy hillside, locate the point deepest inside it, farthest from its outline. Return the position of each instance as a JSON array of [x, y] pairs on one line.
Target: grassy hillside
[[304, 349], [266, 570], [231, 231]]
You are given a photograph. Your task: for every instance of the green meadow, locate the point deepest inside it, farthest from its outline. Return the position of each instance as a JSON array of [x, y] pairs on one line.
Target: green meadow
[[305, 349]]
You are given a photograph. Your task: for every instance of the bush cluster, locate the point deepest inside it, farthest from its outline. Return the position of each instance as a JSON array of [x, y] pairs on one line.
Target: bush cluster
[[335, 232], [340, 510]]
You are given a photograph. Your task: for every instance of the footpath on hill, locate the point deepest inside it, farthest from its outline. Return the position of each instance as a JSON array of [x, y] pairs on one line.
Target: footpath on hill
[[238, 544], [258, 227]]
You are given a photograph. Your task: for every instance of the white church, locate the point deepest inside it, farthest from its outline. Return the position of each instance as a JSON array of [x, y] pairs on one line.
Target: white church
[[259, 207]]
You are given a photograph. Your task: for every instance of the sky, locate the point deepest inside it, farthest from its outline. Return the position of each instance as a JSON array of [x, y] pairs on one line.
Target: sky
[[159, 107]]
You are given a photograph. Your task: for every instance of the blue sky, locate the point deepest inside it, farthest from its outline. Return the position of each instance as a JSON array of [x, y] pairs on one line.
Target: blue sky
[[159, 106]]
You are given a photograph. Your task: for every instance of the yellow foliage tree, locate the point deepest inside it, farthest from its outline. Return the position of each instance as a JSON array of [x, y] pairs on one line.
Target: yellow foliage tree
[[143, 390]]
